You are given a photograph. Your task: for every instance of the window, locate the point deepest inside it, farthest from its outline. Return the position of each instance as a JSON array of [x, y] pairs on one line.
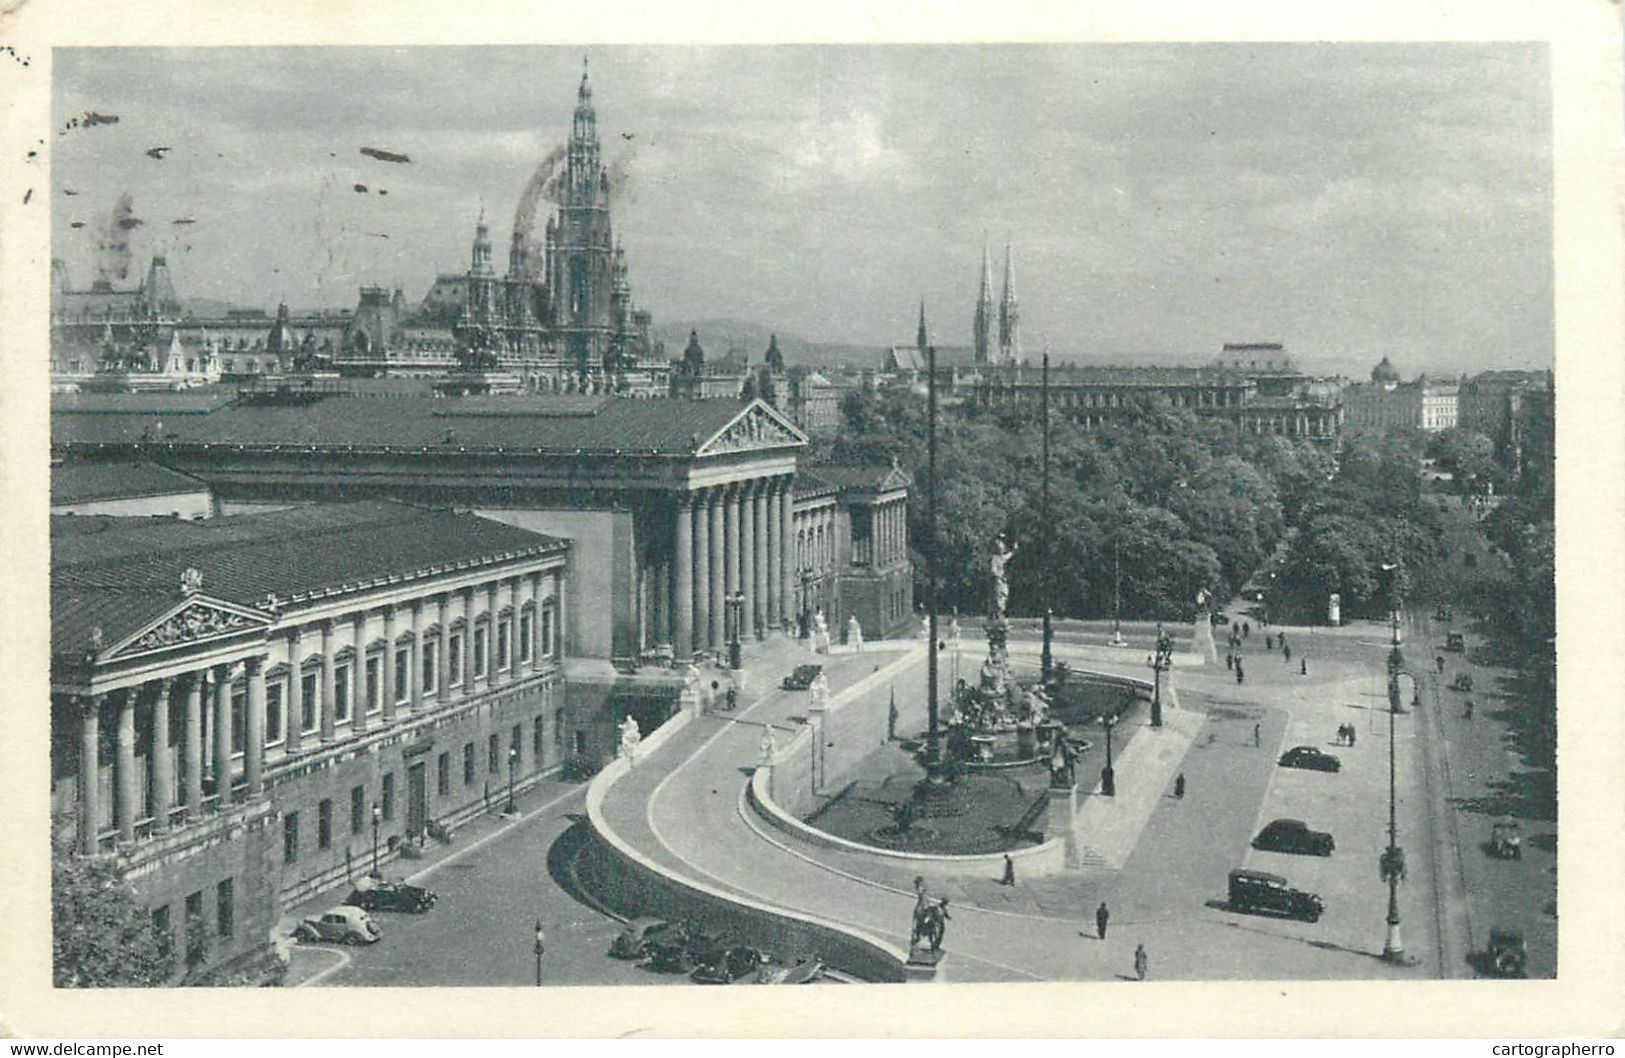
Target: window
[[403, 674], [161, 932], [494, 753], [468, 764], [358, 809], [579, 742], [307, 701], [536, 742], [526, 626], [389, 796], [375, 684], [550, 646], [504, 627], [442, 774], [197, 940], [454, 660], [225, 913], [479, 652], [516, 745], [428, 666], [558, 729], [290, 838], [324, 824], [273, 712], [341, 693], [239, 719]]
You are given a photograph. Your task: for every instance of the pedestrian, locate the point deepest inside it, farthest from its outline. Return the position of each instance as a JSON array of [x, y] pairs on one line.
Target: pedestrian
[[1257, 736], [1102, 916], [1286, 653], [1235, 629], [1469, 713], [1246, 629], [1229, 661], [1239, 675], [1439, 661], [733, 698], [1269, 642], [1303, 666], [1179, 787], [1352, 731], [1141, 961], [1009, 871]]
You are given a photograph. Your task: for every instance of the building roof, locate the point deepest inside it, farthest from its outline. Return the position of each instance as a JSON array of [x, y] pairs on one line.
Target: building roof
[[120, 575], [516, 424], [86, 482], [1116, 375]]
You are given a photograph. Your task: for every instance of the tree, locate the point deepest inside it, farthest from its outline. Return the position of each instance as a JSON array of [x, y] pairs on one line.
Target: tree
[[101, 935]]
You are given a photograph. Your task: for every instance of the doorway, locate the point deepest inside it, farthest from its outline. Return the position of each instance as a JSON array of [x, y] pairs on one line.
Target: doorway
[[417, 798]]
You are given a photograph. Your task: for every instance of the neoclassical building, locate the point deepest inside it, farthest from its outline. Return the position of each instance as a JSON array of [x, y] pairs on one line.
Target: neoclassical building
[[248, 709]]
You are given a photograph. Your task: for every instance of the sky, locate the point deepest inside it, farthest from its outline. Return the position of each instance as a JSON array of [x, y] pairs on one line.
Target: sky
[[1348, 200]]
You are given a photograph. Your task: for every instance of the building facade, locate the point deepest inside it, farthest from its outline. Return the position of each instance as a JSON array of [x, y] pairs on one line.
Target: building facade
[[1386, 402], [301, 703], [851, 549]]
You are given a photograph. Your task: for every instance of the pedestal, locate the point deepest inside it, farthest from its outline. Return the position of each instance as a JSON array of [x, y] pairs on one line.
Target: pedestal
[[1063, 822], [1202, 638], [923, 965]]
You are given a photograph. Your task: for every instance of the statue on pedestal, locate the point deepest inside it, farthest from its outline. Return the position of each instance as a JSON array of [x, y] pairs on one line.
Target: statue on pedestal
[[854, 633], [998, 565], [630, 737], [820, 633], [818, 692], [770, 746]]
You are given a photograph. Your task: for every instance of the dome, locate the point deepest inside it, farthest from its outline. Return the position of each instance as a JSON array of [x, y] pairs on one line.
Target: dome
[[1384, 372]]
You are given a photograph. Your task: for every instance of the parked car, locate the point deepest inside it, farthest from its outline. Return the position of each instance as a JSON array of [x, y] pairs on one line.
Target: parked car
[[1455, 643], [1310, 757], [1294, 835], [345, 924], [634, 941], [679, 949], [802, 677], [381, 895], [1506, 841], [1462, 682], [1258, 891], [1219, 617], [725, 965], [1506, 955]]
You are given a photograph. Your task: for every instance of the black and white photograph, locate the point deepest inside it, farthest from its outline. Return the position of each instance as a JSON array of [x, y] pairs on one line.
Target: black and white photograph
[[830, 512]]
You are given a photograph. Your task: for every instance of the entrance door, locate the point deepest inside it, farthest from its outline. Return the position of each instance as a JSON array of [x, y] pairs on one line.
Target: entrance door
[[417, 797]]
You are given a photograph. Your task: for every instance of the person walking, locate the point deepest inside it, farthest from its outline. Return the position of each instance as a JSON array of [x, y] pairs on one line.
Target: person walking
[[1179, 787], [1141, 961], [1269, 642], [1229, 661], [1352, 731], [1239, 675], [1246, 629], [1286, 654], [1469, 713], [1102, 917], [1257, 736], [1303, 666], [1009, 871]]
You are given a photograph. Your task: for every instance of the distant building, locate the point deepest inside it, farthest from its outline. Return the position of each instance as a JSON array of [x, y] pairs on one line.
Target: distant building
[[1506, 406], [1386, 402], [128, 490], [694, 378]]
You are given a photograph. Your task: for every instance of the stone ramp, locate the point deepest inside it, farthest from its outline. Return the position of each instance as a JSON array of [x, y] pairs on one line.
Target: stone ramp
[[1109, 827]]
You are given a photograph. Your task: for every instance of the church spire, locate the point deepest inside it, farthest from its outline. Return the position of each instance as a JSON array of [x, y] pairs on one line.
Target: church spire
[[1009, 313], [982, 337], [921, 338]]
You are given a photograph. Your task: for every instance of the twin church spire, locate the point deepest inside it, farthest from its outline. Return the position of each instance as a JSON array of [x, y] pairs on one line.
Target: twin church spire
[[1007, 316]]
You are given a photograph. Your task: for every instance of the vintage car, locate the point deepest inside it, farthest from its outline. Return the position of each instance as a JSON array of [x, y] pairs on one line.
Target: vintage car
[[727, 964], [1455, 642], [378, 894], [1506, 955], [802, 677], [1294, 835], [1258, 891], [680, 948], [1506, 841], [345, 924], [633, 942], [1309, 757], [1462, 682]]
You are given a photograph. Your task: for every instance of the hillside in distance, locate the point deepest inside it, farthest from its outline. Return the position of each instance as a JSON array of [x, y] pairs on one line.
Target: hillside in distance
[[749, 341]]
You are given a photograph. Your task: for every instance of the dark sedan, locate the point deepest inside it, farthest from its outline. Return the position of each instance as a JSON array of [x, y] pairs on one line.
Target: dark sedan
[[1311, 758], [1294, 835], [802, 677], [381, 895]]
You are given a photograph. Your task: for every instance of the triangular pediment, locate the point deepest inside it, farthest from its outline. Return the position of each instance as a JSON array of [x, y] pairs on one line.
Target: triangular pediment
[[194, 619], [758, 426]]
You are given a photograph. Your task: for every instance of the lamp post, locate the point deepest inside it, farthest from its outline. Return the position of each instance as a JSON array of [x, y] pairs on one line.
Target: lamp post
[[806, 601], [1159, 663], [377, 816], [1117, 592], [1108, 779], [540, 947], [1391, 864], [513, 762], [933, 734], [1046, 659], [736, 610]]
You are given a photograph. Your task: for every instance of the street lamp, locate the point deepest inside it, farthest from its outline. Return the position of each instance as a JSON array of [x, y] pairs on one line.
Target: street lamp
[[1117, 593], [1391, 864], [540, 947], [511, 808], [1046, 658], [933, 733], [1160, 663], [1108, 779], [736, 610], [377, 815]]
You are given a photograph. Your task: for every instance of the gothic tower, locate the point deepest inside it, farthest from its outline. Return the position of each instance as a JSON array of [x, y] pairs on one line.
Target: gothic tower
[[984, 311], [1009, 314], [583, 271], [922, 338]]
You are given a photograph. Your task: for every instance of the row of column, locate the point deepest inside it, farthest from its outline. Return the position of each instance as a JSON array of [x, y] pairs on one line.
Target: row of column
[[728, 541], [211, 688], [888, 532]]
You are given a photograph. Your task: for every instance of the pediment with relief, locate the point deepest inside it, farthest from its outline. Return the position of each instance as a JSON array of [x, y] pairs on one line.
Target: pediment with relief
[[758, 426], [194, 620]]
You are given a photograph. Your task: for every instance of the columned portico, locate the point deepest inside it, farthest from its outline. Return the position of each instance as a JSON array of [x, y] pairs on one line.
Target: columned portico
[[90, 737], [192, 747], [682, 563], [702, 571], [128, 791], [719, 564], [163, 776], [757, 604], [222, 735], [787, 537], [254, 734]]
